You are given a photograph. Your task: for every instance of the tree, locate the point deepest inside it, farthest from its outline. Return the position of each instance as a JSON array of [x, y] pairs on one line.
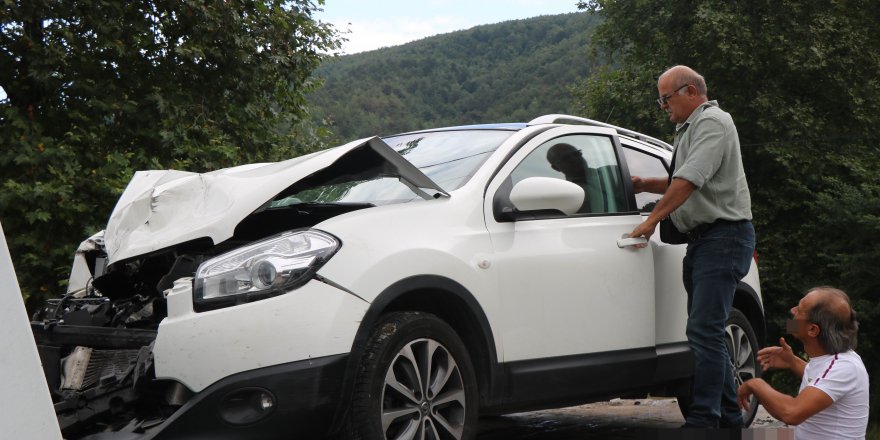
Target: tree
[[800, 79], [511, 71], [98, 89]]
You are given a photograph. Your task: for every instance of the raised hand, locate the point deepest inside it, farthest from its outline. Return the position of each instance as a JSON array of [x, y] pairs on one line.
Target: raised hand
[[778, 357]]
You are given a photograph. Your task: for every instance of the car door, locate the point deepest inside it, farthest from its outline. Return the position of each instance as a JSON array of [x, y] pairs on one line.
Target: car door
[[671, 298], [566, 286]]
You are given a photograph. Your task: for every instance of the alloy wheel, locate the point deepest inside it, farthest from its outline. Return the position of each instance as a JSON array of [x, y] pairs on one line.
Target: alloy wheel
[[423, 396], [742, 358]]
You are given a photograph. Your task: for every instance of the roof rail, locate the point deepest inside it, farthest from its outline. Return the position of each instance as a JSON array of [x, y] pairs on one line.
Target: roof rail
[[577, 120]]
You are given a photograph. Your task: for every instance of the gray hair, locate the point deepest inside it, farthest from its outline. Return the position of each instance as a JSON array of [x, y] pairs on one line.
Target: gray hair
[[837, 321], [686, 75]]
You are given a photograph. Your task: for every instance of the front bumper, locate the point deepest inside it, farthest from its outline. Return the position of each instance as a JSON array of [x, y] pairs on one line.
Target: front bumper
[[307, 395], [199, 349]]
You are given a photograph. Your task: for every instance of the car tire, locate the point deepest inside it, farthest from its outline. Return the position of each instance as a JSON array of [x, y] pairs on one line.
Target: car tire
[[415, 380], [742, 345]]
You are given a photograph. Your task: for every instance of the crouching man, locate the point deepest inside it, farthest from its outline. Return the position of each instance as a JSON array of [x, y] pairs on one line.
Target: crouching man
[[833, 399]]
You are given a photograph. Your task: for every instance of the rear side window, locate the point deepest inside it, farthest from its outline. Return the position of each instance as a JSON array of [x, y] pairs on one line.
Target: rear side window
[[642, 164], [586, 160]]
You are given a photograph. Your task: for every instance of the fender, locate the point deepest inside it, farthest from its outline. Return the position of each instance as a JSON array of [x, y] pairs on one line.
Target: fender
[[746, 300], [450, 301]]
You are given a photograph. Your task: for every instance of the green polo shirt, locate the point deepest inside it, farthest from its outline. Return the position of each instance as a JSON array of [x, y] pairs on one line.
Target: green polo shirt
[[708, 155]]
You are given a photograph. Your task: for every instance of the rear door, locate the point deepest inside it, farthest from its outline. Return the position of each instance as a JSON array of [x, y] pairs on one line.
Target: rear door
[[671, 298]]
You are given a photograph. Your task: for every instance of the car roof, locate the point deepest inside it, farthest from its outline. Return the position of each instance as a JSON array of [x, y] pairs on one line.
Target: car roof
[[510, 126], [551, 119], [577, 120]]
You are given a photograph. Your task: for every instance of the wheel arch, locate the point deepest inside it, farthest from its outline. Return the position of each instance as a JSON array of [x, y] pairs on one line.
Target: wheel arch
[[449, 301], [748, 302]]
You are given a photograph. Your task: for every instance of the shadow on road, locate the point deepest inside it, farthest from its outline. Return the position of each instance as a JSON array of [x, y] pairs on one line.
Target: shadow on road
[[618, 419]]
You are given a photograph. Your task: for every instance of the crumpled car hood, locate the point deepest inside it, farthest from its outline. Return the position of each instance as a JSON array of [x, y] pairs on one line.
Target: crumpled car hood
[[162, 208]]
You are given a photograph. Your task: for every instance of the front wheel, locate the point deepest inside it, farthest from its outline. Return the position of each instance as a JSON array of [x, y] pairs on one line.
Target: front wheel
[[415, 381], [742, 346]]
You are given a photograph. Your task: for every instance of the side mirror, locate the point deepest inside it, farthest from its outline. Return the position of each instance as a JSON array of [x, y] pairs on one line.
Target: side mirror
[[545, 193]]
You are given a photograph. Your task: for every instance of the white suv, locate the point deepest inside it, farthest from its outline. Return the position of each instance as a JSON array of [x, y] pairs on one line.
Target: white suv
[[387, 288]]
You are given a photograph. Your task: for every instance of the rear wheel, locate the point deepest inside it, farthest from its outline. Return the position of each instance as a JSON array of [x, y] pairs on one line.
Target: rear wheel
[[742, 346], [415, 381]]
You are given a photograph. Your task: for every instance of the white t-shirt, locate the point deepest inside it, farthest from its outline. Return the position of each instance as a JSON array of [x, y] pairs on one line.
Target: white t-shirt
[[842, 377]]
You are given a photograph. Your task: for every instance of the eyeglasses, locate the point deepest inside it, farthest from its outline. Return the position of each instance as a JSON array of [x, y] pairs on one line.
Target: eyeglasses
[[662, 100]]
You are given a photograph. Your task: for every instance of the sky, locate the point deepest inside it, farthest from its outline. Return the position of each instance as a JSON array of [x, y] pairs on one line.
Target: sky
[[374, 24]]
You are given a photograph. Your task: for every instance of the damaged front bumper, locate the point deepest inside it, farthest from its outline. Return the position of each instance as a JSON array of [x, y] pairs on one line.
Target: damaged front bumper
[[255, 370], [295, 400], [93, 371], [106, 382]]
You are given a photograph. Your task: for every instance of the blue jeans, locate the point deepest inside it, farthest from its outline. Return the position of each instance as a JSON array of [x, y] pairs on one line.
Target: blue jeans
[[716, 259]]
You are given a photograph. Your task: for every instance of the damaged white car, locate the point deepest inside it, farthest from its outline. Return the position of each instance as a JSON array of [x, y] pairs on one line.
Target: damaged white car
[[393, 287]]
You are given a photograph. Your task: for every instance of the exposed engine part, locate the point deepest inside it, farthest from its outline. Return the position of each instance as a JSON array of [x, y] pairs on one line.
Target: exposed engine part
[[86, 367], [106, 387], [138, 311], [74, 368]]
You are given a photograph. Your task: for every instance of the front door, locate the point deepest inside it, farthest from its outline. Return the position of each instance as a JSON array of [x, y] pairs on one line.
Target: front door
[[566, 287]]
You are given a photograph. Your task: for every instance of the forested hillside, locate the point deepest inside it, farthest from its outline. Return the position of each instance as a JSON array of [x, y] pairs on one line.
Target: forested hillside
[[511, 71]]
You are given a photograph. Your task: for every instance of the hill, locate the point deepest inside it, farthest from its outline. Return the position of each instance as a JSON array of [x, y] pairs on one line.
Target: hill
[[504, 72]]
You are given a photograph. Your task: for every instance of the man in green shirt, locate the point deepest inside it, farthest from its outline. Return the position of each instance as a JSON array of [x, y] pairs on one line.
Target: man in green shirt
[[707, 198]]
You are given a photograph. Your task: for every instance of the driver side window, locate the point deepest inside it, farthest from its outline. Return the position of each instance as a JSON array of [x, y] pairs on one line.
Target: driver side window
[[588, 161]]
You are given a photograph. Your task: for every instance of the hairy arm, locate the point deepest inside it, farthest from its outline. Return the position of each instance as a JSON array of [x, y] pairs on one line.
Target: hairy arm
[[791, 410], [677, 193], [656, 185]]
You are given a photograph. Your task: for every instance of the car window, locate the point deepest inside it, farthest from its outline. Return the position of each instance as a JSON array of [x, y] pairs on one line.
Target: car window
[[586, 160], [450, 157], [642, 164], [376, 191]]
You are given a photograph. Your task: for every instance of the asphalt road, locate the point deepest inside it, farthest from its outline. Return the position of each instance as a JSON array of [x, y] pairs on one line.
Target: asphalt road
[[619, 419]]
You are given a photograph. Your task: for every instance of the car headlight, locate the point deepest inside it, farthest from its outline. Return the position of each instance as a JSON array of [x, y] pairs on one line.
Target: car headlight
[[263, 269]]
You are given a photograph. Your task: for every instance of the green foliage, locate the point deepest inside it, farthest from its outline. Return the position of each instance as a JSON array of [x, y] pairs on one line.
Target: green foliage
[[800, 79], [512, 71], [99, 89]]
